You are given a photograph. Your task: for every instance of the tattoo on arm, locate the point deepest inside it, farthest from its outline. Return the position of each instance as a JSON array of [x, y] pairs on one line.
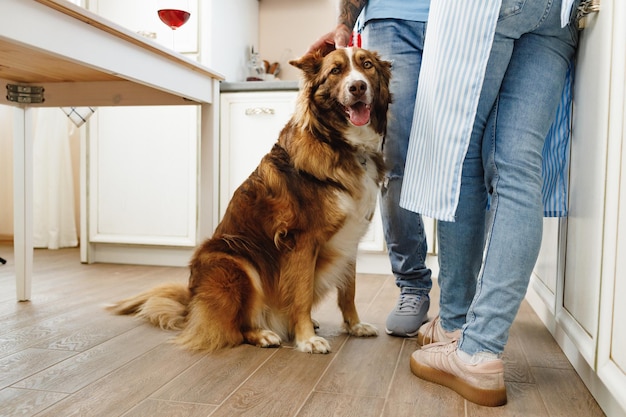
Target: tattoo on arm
[[349, 11]]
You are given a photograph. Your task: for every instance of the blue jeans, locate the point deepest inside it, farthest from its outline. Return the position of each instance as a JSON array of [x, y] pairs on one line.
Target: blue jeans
[[402, 43], [487, 255]]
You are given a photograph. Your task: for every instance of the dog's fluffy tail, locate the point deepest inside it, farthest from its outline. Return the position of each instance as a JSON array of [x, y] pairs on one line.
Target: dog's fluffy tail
[[165, 306]]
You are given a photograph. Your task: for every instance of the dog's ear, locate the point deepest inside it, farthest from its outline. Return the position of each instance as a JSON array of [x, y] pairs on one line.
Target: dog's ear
[[309, 63]]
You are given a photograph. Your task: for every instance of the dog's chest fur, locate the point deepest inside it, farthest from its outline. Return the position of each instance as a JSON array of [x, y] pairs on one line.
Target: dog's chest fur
[[359, 207]]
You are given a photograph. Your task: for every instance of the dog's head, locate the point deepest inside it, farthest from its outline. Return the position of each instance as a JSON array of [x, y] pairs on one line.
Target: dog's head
[[346, 87]]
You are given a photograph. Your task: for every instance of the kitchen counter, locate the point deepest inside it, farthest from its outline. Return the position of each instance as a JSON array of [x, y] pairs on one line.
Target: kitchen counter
[[244, 86]]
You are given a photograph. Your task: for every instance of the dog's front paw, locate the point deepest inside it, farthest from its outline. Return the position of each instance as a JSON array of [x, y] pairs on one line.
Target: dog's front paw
[[262, 338], [362, 330], [315, 344]]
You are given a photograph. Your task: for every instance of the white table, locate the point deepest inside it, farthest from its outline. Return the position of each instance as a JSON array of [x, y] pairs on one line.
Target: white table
[[81, 59]]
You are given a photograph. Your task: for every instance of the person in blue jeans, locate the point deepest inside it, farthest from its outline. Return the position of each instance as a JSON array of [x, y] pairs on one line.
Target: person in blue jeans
[[395, 29], [487, 254]]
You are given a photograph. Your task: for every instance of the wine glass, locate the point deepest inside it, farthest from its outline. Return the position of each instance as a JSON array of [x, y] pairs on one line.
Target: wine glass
[[174, 18]]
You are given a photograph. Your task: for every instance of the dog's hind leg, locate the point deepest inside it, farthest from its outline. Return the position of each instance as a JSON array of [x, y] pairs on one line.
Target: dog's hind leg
[[208, 328], [262, 338], [225, 299]]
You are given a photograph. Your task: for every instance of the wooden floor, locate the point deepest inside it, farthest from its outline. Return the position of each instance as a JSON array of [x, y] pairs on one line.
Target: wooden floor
[[61, 354]]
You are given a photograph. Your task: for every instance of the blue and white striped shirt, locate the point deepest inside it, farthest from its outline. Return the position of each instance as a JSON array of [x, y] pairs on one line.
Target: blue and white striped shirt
[[444, 110]]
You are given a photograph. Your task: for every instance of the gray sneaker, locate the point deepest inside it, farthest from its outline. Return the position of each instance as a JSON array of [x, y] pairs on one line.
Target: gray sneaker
[[408, 315]]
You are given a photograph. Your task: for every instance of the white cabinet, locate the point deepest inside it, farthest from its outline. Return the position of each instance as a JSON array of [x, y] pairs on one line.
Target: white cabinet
[[142, 175], [580, 277], [141, 185], [249, 126]]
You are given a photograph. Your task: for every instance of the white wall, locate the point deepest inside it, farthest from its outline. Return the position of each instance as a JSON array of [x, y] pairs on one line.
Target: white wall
[[6, 172], [227, 30], [289, 27]]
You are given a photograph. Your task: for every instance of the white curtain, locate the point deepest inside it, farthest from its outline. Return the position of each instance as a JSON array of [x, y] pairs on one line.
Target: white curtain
[[54, 222], [6, 171]]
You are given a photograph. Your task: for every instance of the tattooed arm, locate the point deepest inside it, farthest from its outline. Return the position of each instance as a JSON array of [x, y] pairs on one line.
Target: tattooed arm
[[349, 11]]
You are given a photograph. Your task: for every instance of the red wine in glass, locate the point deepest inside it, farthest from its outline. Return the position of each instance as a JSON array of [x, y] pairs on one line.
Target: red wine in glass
[[174, 18]]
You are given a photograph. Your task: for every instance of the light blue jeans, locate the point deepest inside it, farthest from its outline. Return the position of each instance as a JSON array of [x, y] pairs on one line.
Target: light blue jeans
[[486, 256], [402, 43]]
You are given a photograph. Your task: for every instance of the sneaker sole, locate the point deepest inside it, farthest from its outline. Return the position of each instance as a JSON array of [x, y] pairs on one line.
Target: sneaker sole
[[392, 333], [485, 397]]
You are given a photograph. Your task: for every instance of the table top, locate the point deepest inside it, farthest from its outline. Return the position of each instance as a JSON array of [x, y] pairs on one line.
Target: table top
[[81, 58]]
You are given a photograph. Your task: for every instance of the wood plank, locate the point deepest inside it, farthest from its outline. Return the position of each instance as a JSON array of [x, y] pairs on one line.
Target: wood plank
[[52, 331], [214, 377], [523, 400], [564, 394], [516, 368], [27, 66], [21, 402], [127, 386], [159, 408], [96, 93], [410, 396], [383, 302], [328, 404], [279, 388], [538, 345], [363, 367], [28, 362], [82, 369], [69, 286]]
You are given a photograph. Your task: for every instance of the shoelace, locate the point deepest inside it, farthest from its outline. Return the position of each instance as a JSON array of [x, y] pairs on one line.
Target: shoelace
[[409, 302], [429, 336], [445, 347]]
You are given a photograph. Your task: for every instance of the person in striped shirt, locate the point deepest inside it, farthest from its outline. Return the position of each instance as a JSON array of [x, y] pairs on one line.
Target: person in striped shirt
[[490, 85]]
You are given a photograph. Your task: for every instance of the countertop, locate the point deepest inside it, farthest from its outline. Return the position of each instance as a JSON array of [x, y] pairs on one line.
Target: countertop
[[246, 86]]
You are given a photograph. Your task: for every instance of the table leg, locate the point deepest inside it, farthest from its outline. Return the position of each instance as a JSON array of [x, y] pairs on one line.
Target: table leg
[[23, 200], [209, 166]]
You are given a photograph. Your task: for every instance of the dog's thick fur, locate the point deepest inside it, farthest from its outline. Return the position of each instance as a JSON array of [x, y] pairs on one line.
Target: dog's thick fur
[[291, 230]]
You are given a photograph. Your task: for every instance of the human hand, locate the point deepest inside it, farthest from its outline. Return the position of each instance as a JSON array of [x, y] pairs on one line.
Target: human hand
[[338, 38]]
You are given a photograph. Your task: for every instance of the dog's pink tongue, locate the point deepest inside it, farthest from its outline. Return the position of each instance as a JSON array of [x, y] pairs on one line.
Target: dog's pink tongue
[[359, 114]]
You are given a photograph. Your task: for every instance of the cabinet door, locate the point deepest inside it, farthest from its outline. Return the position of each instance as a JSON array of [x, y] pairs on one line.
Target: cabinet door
[[549, 263], [143, 175], [612, 345], [588, 173], [249, 127], [611, 360]]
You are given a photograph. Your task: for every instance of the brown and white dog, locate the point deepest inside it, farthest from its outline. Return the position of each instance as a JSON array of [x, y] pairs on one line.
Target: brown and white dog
[[291, 230]]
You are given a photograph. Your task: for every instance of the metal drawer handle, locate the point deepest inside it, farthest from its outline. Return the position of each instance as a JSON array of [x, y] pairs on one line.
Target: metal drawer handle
[[259, 111]]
